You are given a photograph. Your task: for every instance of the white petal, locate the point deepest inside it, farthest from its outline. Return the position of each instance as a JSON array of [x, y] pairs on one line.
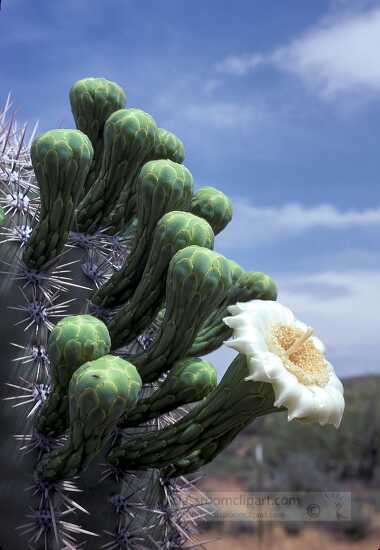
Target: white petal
[[244, 329], [333, 379], [300, 325], [256, 369], [337, 413], [286, 388], [300, 404], [235, 321], [316, 404], [318, 344], [263, 314], [323, 403], [273, 366], [241, 344], [239, 307], [234, 309], [265, 367], [271, 312]]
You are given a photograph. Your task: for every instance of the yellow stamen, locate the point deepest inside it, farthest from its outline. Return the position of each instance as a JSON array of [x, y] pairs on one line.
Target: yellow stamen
[[297, 344], [299, 354]]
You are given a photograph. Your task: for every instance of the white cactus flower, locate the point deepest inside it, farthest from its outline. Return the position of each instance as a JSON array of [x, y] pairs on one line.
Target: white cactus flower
[[283, 351]]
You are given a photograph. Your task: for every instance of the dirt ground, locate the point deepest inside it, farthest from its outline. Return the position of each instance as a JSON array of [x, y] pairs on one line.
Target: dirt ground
[[309, 539], [276, 538]]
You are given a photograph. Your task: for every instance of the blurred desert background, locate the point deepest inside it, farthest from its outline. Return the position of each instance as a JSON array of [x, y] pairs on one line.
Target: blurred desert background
[[302, 458]]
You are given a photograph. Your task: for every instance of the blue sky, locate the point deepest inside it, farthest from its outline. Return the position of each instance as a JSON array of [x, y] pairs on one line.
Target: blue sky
[[278, 106]]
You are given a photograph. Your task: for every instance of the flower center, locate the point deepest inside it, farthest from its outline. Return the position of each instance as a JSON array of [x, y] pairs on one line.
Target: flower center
[[299, 354]]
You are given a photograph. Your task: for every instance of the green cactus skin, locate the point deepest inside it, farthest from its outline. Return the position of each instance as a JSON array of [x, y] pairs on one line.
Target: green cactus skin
[[198, 437], [163, 186], [174, 231], [2, 216], [236, 272], [129, 137], [61, 160], [168, 147], [129, 232], [92, 101], [74, 340], [100, 392], [249, 286], [189, 380], [197, 281], [212, 205]]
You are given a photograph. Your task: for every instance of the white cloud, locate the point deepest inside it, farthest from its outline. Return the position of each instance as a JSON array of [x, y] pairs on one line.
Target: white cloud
[[338, 55], [291, 219], [240, 64], [189, 101], [221, 114], [211, 85]]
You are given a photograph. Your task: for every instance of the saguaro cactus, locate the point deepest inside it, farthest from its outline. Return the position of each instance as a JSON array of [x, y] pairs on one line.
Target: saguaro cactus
[[115, 172], [117, 379]]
